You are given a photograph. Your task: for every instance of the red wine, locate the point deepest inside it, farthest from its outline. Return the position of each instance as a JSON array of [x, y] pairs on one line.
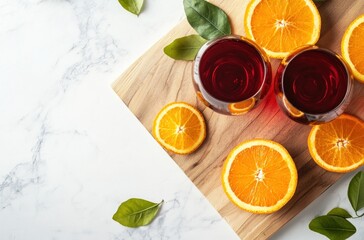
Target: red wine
[[232, 70], [314, 81]]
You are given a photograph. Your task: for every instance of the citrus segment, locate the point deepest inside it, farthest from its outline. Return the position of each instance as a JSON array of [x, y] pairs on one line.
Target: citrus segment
[[352, 47], [291, 109], [338, 146], [202, 99], [259, 176], [241, 107], [280, 26], [180, 128]]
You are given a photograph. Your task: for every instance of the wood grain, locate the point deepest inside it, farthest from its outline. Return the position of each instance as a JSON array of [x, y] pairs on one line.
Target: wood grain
[[155, 80]]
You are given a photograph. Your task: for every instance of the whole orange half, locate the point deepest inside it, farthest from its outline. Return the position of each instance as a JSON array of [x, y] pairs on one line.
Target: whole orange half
[[280, 26], [338, 146], [259, 176]]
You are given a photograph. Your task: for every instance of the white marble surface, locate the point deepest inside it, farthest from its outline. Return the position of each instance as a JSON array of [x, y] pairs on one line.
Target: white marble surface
[[71, 151]]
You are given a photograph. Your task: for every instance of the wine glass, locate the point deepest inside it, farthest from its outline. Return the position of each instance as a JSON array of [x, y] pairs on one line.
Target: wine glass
[[231, 74], [313, 85]]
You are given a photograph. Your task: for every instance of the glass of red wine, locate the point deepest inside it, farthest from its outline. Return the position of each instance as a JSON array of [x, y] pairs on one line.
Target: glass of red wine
[[313, 85], [231, 75]]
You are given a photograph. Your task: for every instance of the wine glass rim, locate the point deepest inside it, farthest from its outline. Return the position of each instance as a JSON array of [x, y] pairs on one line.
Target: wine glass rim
[[304, 49], [263, 57]]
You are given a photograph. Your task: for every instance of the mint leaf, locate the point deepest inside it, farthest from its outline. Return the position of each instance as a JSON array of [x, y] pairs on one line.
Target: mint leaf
[[333, 227], [185, 48], [136, 212], [356, 191], [133, 6], [208, 20], [340, 212]]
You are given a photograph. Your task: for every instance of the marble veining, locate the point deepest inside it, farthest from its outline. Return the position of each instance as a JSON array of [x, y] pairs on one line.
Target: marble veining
[[67, 158], [92, 48]]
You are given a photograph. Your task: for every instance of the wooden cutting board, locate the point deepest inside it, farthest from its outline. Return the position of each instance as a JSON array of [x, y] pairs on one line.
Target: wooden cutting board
[[155, 80]]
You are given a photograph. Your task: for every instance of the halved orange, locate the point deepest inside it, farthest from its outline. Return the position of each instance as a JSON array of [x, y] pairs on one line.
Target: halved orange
[[352, 47], [259, 176], [179, 127], [280, 26], [338, 146]]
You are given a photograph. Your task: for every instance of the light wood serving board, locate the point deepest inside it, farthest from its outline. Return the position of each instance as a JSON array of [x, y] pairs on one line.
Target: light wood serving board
[[155, 80]]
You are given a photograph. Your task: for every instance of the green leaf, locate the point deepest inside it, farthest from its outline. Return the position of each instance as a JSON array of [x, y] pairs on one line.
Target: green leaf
[[356, 191], [333, 227], [133, 6], [340, 212], [208, 20], [136, 212], [185, 48]]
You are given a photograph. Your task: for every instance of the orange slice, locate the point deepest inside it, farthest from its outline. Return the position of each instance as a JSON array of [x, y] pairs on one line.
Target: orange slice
[[202, 99], [338, 146], [280, 26], [352, 47], [259, 176], [291, 109], [241, 107], [179, 128]]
